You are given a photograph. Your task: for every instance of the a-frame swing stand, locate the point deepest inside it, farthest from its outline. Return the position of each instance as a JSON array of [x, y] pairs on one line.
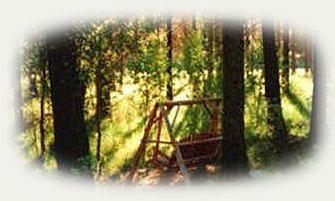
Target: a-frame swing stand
[[196, 149]]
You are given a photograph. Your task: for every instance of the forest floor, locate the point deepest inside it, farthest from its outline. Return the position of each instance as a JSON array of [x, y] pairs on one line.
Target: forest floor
[[158, 176], [299, 154], [124, 130]]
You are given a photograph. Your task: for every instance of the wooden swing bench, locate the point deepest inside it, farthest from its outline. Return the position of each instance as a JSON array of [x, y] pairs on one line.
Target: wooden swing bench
[[194, 150], [197, 149]]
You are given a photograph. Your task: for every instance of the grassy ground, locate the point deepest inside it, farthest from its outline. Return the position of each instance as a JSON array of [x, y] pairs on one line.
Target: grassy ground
[[296, 107], [122, 132]]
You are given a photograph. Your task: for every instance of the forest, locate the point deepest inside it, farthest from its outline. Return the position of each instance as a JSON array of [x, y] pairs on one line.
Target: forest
[[172, 100]]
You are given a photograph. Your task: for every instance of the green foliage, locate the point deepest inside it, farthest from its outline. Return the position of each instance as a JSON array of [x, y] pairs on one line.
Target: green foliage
[[261, 151], [297, 106], [255, 54], [30, 138], [131, 56], [193, 61], [150, 66], [194, 120], [254, 64]]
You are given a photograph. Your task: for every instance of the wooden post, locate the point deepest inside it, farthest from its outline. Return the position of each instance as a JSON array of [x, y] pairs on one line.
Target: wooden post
[[179, 157], [175, 116], [159, 129], [141, 149], [163, 109]]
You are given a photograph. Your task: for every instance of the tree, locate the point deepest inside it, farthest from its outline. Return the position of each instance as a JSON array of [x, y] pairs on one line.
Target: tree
[[98, 112], [67, 96], [286, 64], [107, 78], [272, 88], [102, 44], [293, 50], [307, 56], [169, 93], [193, 61], [234, 158], [43, 94]]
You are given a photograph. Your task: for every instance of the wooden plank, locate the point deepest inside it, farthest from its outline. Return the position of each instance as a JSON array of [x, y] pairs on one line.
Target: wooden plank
[[175, 116], [214, 112], [190, 160], [158, 135], [190, 102], [200, 141], [208, 109], [141, 149], [197, 158], [179, 157], [155, 141]]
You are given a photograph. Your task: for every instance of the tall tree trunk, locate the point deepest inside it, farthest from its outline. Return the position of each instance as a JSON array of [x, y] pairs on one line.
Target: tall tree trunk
[[307, 57], [207, 91], [43, 91], [234, 158], [105, 96], [293, 50], [286, 68], [67, 96], [169, 87], [272, 88], [106, 84], [98, 114]]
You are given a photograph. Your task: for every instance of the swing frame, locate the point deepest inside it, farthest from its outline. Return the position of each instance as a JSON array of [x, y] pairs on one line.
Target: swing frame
[[158, 116]]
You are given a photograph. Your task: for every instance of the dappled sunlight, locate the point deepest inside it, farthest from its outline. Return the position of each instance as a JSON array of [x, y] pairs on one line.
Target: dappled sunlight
[[124, 154], [297, 105], [166, 100]]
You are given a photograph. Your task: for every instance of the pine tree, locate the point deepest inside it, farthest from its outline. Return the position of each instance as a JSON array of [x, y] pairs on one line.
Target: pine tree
[[234, 158], [67, 96], [272, 88]]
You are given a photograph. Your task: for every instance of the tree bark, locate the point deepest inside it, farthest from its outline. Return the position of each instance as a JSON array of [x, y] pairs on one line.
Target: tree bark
[[169, 88], [234, 158], [98, 114], [293, 50], [308, 57], [67, 96], [272, 87], [43, 91], [286, 68]]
